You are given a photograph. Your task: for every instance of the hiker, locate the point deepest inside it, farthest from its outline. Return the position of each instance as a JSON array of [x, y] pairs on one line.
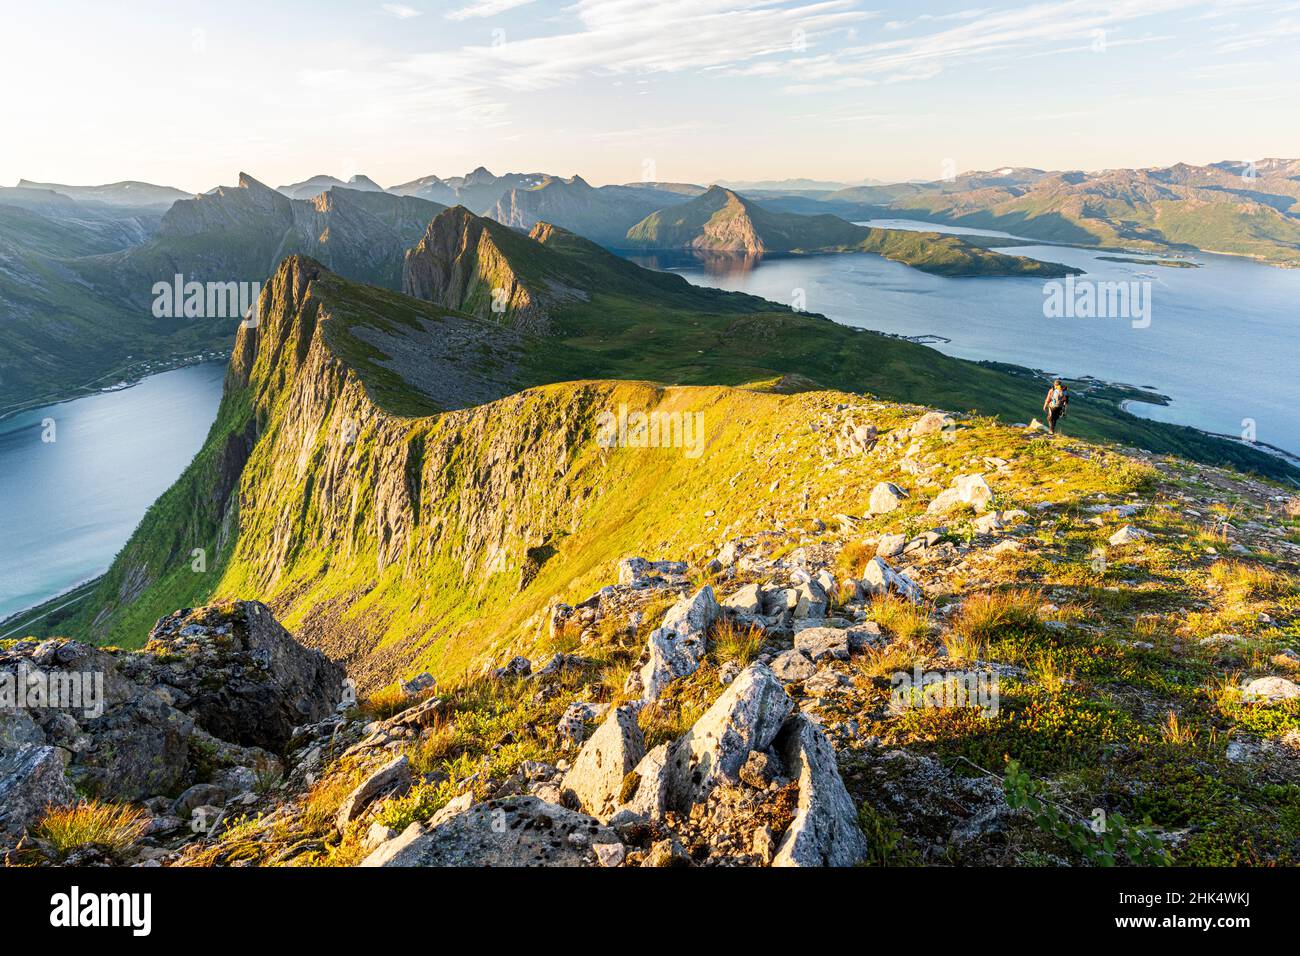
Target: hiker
[[1057, 400]]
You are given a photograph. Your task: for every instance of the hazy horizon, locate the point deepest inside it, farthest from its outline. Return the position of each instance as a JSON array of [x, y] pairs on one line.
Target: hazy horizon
[[841, 90]]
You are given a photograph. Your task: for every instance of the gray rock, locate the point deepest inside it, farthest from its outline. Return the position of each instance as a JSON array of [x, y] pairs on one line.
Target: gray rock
[[1270, 689], [199, 795], [515, 831], [17, 728], [1128, 535], [929, 423], [418, 684], [392, 777], [31, 780], [267, 683], [748, 600], [614, 750], [747, 717], [880, 578], [792, 665], [891, 545], [825, 829], [823, 643], [885, 497], [677, 646]]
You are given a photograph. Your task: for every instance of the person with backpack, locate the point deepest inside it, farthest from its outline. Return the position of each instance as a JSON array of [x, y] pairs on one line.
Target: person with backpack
[[1058, 399]]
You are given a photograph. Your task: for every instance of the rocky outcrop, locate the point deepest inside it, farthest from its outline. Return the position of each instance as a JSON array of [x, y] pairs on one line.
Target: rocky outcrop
[[825, 829], [677, 646], [515, 831], [614, 750], [210, 702], [242, 676], [31, 781], [747, 717]]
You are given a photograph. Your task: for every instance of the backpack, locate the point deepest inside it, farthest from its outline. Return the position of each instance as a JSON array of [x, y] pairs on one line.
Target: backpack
[[1056, 397]]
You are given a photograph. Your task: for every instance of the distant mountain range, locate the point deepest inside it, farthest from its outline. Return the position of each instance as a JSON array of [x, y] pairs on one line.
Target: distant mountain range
[[721, 220], [78, 263], [1229, 207], [77, 277]]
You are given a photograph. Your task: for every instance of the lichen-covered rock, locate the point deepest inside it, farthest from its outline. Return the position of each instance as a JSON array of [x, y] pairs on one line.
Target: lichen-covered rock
[[792, 665], [823, 643], [879, 578], [677, 646], [247, 680], [885, 497], [31, 780], [597, 775], [746, 717], [515, 831], [825, 829], [392, 777]]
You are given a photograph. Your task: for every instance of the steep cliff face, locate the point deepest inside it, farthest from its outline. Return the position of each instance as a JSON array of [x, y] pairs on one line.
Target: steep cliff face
[[471, 264]]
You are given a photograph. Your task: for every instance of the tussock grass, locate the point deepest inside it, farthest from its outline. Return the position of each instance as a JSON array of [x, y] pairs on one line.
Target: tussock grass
[[992, 614], [1176, 732], [111, 826], [852, 560], [1050, 672], [906, 621], [735, 642]]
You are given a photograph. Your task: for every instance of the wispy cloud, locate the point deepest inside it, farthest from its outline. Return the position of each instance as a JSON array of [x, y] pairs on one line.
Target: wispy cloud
[[485, 8], [400, 10]]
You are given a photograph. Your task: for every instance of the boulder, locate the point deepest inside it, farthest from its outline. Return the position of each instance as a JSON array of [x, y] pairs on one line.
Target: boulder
[[810, 600], [748, 600], [970, 490], [879, 578], [823, 643], [677, 646], [1128, 535], [511, 832], [891, 545], [929, 423], [1270, 689], [885, 497], [199, 795], [572, 725], [865, 634], [825, 829], [792, 665], [31, 780], [392, 777], [614, 750], [747, 717], [246, 679]]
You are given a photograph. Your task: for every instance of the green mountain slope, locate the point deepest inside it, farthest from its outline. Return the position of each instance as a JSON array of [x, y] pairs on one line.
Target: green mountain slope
[[723, 221]]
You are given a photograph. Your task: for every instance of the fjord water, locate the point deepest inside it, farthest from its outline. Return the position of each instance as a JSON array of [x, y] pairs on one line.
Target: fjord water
[[1223, 341], [68, 506]]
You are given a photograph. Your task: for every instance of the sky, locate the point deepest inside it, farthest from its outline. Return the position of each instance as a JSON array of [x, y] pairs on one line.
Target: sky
[[190, 94]]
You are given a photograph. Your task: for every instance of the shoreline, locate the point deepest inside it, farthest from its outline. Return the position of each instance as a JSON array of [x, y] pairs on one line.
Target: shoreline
[[1276, 451], [76, 393]]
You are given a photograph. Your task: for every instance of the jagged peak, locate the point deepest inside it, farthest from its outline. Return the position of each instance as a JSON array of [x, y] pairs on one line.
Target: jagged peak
[[248, 182]]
